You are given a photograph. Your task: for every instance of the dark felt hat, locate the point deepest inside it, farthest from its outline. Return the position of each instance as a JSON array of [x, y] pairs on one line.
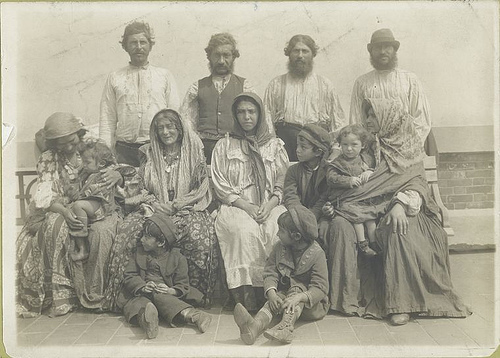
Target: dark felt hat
[[60, 125], [166, 226], [317, 136], [305, 221], [383, 36]]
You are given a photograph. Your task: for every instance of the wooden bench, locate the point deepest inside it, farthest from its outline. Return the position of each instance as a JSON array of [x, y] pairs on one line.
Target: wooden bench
[[25, 193]]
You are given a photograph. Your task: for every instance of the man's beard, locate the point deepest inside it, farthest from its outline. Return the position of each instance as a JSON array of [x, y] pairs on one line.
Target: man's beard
[[215, 67], [300, 68], [393, 62]]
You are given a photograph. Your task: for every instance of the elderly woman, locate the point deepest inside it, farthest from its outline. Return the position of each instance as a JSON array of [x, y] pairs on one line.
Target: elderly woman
[[412, 275], [47, 279], [248, 170], [174, 171]]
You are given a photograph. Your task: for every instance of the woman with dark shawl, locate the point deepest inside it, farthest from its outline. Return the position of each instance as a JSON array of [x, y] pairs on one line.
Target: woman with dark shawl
[[248, 169], [173, 169], [412, 275]]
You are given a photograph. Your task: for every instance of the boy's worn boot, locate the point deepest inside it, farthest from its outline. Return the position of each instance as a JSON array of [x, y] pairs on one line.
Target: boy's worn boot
[[251, 328], [283, 331], [148, 320], [199, 318]]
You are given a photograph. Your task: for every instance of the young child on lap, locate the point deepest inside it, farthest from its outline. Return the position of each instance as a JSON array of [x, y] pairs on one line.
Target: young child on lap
[[349, 170], [295, 280], [94, 201], [156, 283]]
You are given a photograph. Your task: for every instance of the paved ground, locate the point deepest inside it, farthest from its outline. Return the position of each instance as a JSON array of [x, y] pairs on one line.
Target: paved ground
[[108, 334]]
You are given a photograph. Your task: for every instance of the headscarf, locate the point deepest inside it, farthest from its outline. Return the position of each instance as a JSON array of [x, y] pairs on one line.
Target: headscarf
[[397, 138], [250, 143], [191, 157]]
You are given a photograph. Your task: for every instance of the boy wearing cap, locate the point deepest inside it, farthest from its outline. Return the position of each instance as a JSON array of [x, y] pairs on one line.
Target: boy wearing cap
[[156, 282], [295, 280], [305, 181]]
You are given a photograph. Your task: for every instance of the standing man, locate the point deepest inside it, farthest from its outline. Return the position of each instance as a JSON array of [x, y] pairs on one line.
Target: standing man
[[388, 81], [133, 95], [208, 101], [301, 96]]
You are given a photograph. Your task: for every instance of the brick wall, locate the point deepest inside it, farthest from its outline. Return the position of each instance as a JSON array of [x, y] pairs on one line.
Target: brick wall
[[467, 180]]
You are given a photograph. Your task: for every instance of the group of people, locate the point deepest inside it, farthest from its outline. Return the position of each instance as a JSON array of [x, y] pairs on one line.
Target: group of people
[[138, 222]]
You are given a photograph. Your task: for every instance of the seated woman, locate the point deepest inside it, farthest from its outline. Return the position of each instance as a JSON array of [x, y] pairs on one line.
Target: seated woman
[[248, 169], [412, 275], [46, 278], [173, 169]]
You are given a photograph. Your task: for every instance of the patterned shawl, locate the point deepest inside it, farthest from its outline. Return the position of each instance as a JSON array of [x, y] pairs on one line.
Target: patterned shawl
[[397, 139], [250, 143], [189, 190]]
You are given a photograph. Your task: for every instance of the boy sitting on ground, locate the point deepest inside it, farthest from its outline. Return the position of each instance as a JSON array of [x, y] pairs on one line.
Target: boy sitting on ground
[[156, 282], [295, 280]]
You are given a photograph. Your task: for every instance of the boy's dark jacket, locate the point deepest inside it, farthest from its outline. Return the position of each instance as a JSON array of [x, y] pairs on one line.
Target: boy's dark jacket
[[173, 268]]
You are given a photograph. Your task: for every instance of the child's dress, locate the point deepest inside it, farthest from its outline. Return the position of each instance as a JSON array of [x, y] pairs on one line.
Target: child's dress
[[339, 174], [92, 189]]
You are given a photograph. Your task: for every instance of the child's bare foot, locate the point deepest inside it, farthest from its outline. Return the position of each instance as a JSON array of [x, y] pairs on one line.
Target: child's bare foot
[[365, 249]]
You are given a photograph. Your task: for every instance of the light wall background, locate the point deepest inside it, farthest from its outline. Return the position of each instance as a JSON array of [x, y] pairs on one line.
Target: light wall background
[[56, 56]]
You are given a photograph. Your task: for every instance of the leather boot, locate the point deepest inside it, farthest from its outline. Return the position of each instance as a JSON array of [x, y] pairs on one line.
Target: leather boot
[[199, 318], [250, 327], [148, 320], [283, 331]]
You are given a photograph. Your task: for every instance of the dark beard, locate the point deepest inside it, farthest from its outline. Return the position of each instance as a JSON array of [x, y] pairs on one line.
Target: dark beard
[[393, 62], [212, 69], [300, 70]]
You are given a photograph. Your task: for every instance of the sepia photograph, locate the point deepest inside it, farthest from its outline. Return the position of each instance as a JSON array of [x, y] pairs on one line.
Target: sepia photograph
[[250, 179]]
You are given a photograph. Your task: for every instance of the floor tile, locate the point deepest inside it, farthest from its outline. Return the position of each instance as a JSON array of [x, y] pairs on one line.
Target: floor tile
[[340, 339], [30, 339], [334, 325], [358, 321], [201, 339], [81, 318], [480, 330], [22, 323], [306, 331], [448, 334], [43, 325], [374, 335], [124, 341]]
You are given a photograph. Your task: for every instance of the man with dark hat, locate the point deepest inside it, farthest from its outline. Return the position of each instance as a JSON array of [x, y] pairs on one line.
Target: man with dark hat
[[388, 81], [301, 96], [133, 95]]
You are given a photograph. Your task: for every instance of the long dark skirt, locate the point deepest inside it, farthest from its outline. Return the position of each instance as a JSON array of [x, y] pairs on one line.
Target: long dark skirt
[[416, 270]]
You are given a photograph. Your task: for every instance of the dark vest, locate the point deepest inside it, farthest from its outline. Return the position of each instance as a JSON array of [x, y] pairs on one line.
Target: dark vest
[[215, 115]]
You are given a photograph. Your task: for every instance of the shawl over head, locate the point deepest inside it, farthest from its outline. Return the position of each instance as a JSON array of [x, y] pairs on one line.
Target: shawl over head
[[250, 143], [319, 137], [191, 157], [397, 139]]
